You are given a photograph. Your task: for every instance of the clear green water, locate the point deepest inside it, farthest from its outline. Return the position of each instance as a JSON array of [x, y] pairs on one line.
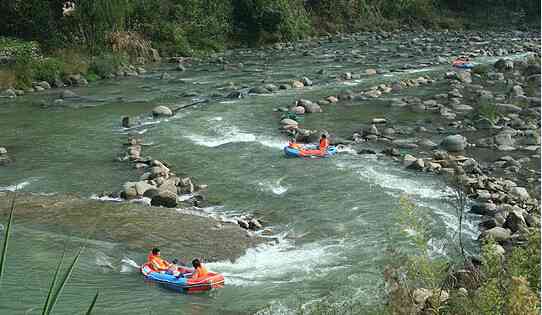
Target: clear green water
[[336, 216]]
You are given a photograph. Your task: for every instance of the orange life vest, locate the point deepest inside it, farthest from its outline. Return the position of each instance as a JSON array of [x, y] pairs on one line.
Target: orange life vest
[[200, 272], [157, 263], [324, 143]]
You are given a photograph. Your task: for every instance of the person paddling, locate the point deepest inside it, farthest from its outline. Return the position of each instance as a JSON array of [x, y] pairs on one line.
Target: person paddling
[[156, 262], [199, 270], [324, 144]]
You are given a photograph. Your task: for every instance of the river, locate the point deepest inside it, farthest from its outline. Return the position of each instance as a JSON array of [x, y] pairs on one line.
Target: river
[[336, 219]]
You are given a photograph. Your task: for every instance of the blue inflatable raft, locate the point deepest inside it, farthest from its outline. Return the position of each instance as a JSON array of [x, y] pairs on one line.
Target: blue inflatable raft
[[184, 283], [309, 151]]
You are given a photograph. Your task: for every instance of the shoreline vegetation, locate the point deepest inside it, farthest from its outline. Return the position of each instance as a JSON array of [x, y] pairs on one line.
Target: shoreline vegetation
[[42, 44]]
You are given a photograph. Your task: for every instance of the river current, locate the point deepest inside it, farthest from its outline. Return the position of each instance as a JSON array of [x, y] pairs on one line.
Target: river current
[[335, 219]]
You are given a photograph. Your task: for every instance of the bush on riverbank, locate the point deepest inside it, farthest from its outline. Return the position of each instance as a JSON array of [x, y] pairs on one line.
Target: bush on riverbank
[[195, 27], [498, 283]]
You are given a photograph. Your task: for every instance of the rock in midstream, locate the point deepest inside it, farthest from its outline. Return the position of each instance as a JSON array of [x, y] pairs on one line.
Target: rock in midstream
[[134, 226]]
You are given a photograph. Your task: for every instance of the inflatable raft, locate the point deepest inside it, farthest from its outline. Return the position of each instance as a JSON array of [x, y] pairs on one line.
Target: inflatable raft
[[309, 151], [462, 64], [184, 283]]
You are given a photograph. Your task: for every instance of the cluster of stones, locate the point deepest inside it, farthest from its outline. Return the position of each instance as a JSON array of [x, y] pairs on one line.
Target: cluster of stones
[[4, 158], [162, 186], [157, 182], [304, 106], [73, 80]]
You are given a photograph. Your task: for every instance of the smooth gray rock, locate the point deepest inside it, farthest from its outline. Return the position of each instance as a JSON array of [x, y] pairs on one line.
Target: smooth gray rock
[[162, 111], [454, 143]]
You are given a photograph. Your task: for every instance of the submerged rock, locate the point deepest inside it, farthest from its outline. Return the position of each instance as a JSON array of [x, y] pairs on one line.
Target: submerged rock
[[162, 111]]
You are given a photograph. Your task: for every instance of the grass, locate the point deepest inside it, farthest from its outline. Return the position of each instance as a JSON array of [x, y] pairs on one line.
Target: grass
[[57, 283]]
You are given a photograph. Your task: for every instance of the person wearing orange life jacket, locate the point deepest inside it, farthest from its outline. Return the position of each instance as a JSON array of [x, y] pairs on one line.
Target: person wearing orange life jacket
[[324, 144], [294, 145], [156, 262], [199, 270]]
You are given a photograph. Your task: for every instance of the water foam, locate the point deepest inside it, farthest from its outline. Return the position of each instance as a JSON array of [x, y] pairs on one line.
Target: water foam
[[275, 187], [224, 134], [18, 186], [277, 263]]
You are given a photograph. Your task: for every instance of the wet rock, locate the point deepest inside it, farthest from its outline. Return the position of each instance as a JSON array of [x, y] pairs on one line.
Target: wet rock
[[520, 193], [306, 81], [366, 151], [254, 224], [297, 84], [370, 72], [373, 93], [427, 143], [504, 65], [57, 83], [310, 107], [258, 90], [454, 143], [68, 94], [162, 111], [166, 76], [44, 84], [488, 223], [508, 108], [164, 198], [299, 110], [484, 208], [515, 221], [408, 160], [125, 122], [392, 152], [499, 234], [128, 191], [370, 130], [142, 186], [332, 99]]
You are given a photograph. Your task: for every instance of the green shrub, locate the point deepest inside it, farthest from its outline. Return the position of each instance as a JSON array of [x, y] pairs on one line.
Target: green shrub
[[47, 69]]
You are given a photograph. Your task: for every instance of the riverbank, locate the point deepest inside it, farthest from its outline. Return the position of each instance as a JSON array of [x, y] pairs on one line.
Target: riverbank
[[139, 228]]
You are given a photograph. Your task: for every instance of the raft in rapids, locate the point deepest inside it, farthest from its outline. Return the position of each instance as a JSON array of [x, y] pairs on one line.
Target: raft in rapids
[[184, 283], [309, 151]]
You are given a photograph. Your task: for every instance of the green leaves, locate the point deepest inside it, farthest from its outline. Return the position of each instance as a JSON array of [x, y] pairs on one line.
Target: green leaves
[[54, 293], [6, 239]]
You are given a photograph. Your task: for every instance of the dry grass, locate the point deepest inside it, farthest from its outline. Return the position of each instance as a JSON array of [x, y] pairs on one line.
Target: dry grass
[[8, 78], [130, 43]]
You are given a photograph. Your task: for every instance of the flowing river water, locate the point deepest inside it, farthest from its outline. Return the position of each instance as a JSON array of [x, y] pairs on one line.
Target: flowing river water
[[336, 218]]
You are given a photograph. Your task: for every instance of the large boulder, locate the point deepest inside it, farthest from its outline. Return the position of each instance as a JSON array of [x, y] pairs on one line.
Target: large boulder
[[164, 198], [128, 191], [499, 234], [454, 143], [67, 94], [306, 81], [310, 107], [515, 221], [484, 208], [520, 193], [162, 111], [142, 186], [504, 65]]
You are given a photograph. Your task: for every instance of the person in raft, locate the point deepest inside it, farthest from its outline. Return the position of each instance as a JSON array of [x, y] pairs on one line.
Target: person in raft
[[199, 270], [324, 144], [157, 263], [293, 144]]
